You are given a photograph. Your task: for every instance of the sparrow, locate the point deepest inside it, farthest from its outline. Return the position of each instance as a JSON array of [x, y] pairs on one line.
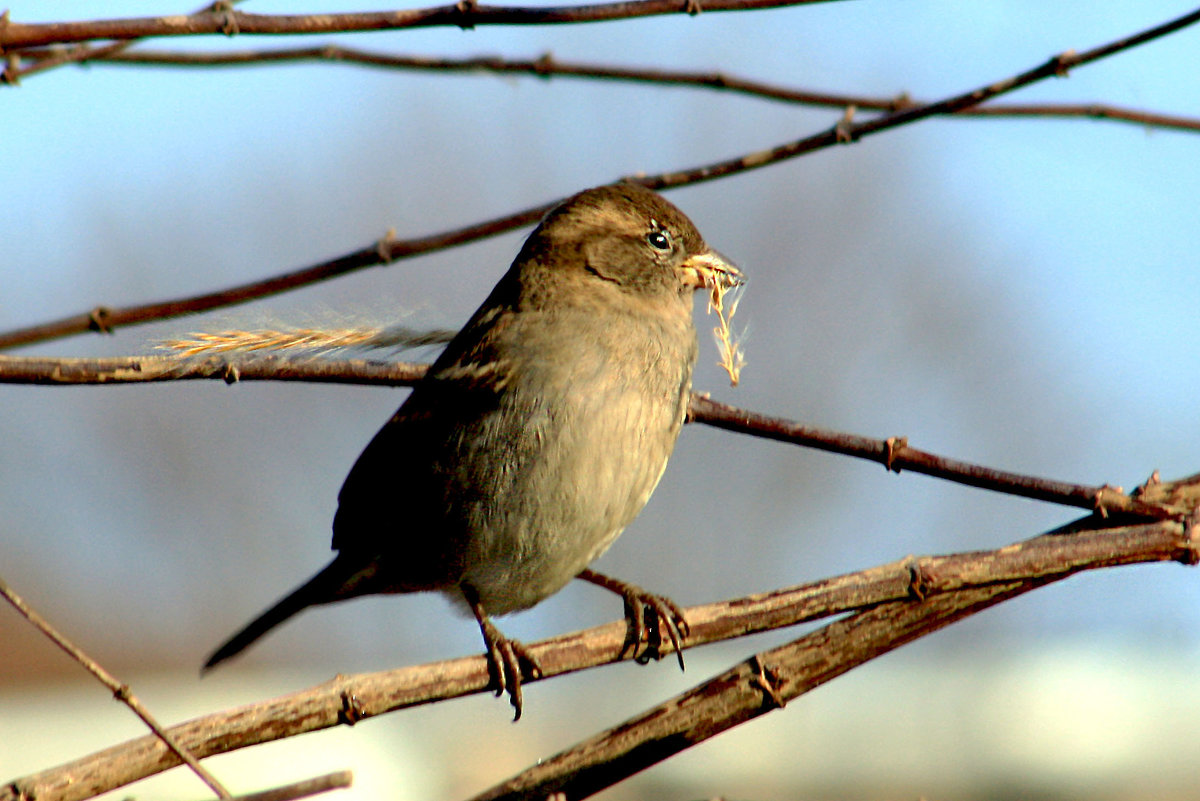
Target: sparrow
[[537, 435]]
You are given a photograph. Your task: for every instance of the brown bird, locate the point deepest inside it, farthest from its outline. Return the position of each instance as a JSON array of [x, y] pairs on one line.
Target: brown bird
[[537, 435]]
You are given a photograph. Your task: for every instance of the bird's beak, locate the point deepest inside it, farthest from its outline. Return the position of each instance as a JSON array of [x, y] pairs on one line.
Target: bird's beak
[[709, 270]]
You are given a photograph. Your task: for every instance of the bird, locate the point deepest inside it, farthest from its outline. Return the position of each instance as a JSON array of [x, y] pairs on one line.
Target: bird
[[537, 435]]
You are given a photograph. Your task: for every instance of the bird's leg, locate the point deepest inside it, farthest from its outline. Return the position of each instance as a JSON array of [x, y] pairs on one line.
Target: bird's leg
[[504, 655], [648, 614]]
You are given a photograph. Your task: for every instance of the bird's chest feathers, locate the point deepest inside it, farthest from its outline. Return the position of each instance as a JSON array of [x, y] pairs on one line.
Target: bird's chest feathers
[[582, 432]]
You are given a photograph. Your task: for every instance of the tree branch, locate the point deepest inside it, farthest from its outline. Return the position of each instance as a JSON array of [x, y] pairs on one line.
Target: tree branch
[[913, 596], [104, 319], [894, 453], [546, 66], [763, 683], [120, 691], [465, 14]]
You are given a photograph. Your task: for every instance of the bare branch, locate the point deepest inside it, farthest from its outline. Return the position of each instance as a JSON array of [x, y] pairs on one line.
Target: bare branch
[[917, 594], [14, 72], [761, 684], [104, 319], [229, 21], [120, 691], [894, 453], [303, 789], [546, 66]]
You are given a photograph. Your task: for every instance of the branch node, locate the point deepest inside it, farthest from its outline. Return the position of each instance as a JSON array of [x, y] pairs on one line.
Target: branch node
[[1063, 63], [1101, 504], [902, 101], [18, 788], [692, 7], [352, 710], [98, 320], [893, 446], [1153, 481], [766, 680], [465, 9], [844, 130], [228, 17], [544, 66], [384, 246], [122, 693], [919, 581], [11, 74], [1189, 554], [231, 374]]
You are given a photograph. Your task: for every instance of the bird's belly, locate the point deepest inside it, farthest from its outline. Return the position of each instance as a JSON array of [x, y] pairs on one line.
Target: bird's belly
[[574, 483]]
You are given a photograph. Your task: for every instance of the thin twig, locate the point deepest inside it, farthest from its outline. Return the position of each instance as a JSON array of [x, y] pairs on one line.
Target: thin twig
[[120, 691], [303, 789], [893, 453], [847, 132], [17, 35], [347, 699], [78, 54], [105, 319], [546, 66]]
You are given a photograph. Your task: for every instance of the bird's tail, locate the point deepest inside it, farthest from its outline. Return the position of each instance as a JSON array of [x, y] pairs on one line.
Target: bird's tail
[[320, 589]]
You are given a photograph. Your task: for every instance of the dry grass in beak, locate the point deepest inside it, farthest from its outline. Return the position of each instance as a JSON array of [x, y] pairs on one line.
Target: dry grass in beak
[[728, 343]]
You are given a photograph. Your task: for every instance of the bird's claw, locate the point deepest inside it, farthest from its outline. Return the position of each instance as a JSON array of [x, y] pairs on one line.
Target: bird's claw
[[505, 658], [648, 614]]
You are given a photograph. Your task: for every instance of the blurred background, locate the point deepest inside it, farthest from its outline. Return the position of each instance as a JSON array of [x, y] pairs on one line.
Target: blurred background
[[1019, 293]]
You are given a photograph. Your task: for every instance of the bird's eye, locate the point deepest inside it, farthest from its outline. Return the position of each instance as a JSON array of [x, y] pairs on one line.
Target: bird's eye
[[659, 240]]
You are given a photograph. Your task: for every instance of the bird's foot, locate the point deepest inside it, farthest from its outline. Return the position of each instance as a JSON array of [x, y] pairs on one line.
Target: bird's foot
[[504, 656], [507, 660], [648, 615]]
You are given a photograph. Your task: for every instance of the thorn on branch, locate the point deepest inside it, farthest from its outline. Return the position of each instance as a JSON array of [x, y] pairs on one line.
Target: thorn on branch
[[224, 10], [1153, 481], [231, 374], [844, 130], [692, 7], [893, 445], [1063, 62], [465, 8], [903, 100], [98, 320], [766, 680], [384, 246], [1101, 505], [919, 582], [544, 66]]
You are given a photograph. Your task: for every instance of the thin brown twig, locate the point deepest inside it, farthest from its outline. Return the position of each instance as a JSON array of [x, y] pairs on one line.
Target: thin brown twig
[[893, 453], [303, 789], [847, 131], [17, 35], [78, 54], [912, 583], [105, 319], [546, 66], [120, 691]]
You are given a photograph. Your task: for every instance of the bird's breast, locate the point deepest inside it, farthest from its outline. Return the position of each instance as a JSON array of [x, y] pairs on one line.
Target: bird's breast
[[582, 440]]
